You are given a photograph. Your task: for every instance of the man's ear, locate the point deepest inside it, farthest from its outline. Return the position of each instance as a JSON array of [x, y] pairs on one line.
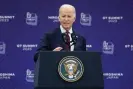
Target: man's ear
[[74, 19], [59, 18]]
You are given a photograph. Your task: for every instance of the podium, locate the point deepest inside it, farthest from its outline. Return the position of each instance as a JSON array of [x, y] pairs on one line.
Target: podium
[[47, 71]]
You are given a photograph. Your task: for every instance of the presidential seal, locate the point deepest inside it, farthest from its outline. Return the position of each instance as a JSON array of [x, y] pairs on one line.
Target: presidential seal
[[70, 68]]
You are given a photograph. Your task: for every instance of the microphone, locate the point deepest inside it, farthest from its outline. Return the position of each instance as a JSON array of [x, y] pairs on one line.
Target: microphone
[[74, 38], [64, 37]]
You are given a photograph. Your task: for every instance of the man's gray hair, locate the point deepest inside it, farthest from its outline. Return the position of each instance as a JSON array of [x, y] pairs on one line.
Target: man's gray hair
[[68, 6]]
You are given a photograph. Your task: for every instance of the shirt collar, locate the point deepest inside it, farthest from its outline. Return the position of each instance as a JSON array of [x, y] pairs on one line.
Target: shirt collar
[[63, 30]]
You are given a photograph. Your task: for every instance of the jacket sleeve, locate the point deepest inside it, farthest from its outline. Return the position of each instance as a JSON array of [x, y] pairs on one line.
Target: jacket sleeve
[[84, 44], [43, 46]]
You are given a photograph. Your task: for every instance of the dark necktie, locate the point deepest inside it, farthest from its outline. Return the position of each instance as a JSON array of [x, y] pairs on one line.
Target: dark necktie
[[67, 41]]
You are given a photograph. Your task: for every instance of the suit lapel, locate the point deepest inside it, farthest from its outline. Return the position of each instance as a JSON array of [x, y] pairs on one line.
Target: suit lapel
[[58, 41], [77, 42], [76, 45]]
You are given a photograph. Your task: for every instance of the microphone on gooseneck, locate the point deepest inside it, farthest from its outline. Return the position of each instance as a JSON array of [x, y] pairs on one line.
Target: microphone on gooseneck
[[64, 37]]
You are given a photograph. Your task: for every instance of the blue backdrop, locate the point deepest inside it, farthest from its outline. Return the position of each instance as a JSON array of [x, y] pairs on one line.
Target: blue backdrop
[[106, 24]]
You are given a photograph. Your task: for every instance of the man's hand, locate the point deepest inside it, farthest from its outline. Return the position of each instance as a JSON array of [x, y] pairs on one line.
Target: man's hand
[[58, 49]]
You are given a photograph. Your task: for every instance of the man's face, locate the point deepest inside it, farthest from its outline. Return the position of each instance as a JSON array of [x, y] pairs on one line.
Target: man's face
[[66, 18]]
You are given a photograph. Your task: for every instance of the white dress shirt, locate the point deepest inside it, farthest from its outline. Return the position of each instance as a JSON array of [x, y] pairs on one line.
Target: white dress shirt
[[70, 32]]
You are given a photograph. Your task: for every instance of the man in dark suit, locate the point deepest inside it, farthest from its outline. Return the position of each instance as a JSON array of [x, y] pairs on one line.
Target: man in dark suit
[[63, 38]]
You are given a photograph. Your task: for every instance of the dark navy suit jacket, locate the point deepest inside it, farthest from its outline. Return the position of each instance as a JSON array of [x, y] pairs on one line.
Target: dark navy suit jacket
[[54, 39]]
